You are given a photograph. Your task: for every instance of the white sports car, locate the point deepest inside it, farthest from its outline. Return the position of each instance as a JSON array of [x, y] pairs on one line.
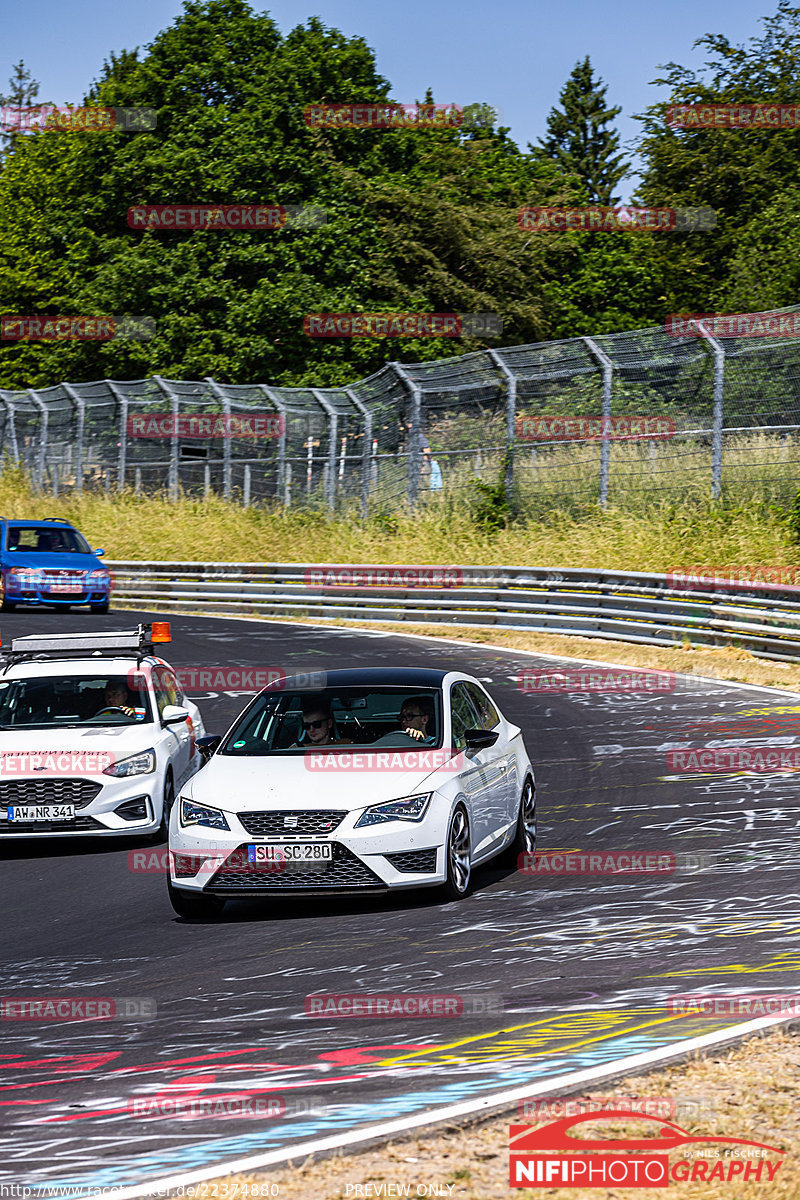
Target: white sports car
[[378, 779], [96, 736]]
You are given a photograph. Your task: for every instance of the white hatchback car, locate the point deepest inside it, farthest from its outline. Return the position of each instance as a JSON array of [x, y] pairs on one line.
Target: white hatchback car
[[376, 779], [96, 736]]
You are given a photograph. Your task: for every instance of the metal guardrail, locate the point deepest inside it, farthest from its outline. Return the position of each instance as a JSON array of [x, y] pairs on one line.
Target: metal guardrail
[[629, 606]]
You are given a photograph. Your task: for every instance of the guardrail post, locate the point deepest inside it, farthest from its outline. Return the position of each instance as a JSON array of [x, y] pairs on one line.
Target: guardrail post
[[366, 448], [605, 445], [719, 392], [280, 407], [172, 482], [80, 422], [511, 416], [333, 424], [122, 400], [224, 400], [38, 480], [8, 404], [414, 432]]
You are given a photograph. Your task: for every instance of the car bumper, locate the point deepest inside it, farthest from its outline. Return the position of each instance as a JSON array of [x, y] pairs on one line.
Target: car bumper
[[85, 596], [98, 816], [397, 855]]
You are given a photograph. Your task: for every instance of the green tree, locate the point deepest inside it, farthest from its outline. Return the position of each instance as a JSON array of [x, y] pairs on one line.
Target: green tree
[[580, 139], [22, 91]]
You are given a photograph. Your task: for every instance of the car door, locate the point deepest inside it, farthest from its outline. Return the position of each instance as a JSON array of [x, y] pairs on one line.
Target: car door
[[501, 762], [472, 776], [179, 739]]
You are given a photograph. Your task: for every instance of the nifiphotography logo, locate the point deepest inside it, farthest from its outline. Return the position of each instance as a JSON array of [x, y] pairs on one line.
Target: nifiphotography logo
[[632, 1162]]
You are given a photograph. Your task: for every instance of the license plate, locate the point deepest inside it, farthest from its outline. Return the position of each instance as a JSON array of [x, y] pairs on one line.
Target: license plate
[[291, 852], [40, 812], [72, 588]]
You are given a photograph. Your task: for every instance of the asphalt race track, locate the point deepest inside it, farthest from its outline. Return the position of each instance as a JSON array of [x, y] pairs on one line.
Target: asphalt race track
[[575, 969]]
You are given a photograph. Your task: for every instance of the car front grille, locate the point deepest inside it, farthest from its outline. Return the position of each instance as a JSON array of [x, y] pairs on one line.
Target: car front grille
[[345, 871], [77, 825], [274, 824], [414, 860], [48, 790]]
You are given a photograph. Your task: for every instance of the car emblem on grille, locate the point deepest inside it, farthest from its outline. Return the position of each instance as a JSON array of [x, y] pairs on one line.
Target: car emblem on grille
[[290, 821]]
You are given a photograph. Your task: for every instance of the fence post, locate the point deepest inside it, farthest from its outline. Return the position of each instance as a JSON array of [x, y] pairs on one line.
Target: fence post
[[39, 477], [511, 416], [280, 408], [172, 483], [414, 432], [333, 428], [367, 447], [224, 399], [246, 487], [80, 422], [605, 445], [122, 400], [8, 404], [719, 392]]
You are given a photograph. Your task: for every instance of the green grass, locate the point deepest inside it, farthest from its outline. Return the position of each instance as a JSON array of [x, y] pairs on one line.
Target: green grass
[[662, 537]]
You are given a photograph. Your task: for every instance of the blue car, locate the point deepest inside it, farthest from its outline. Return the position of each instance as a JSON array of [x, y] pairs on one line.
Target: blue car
[[48, 562]]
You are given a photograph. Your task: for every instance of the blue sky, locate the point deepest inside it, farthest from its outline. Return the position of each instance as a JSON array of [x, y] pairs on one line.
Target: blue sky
[[508, 53]]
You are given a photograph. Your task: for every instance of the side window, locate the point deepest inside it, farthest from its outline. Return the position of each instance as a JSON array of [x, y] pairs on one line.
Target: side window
[[462, 714], [488, 715], [166, 688]]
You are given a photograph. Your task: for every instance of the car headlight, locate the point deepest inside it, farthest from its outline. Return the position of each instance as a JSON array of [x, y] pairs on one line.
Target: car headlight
[[27, 576], [99, 578], [137, 764], [200, 814], [409, 808]]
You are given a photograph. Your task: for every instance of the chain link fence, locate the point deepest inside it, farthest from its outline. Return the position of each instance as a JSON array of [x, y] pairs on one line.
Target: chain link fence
[[626, 418]]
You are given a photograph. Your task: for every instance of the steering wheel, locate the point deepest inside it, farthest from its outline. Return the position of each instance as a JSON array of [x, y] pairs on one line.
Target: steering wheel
[[112, 709]]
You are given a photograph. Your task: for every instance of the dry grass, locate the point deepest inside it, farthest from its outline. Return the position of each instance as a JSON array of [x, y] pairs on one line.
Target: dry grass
[[751, 1089]]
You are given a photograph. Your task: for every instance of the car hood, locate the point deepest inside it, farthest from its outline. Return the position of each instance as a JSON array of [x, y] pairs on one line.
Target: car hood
[[255, 784], [120, 742], [33, 561]]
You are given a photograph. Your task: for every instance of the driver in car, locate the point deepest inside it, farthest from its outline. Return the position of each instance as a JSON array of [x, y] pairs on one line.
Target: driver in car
[[416, 719], [116, 696]]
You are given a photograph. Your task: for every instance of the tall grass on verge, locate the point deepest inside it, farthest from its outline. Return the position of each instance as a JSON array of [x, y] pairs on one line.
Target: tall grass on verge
[[444, 529]]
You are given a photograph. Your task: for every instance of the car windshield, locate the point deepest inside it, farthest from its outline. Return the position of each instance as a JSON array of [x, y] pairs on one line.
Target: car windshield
[[48, 702], [46, 539], [295, 722]]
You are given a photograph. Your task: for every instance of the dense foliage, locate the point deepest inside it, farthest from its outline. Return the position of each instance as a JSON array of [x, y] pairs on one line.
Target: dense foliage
[[420, 221]]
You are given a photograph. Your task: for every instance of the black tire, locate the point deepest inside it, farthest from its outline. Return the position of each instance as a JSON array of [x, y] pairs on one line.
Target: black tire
[[525, 832], [193, 905], [458, 855], [166, 808], [99, 608], [7, 606]]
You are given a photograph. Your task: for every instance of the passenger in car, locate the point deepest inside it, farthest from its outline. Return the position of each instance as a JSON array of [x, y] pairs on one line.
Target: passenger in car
[[319, 728]]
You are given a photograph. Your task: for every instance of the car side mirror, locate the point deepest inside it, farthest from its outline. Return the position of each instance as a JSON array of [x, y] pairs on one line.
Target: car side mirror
[[99, 553], [173, 715], [479, 739], [207, 745]]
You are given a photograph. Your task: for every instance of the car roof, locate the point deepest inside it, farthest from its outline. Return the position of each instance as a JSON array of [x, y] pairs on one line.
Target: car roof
[[420, 677], [97, 665], [56, 522]]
